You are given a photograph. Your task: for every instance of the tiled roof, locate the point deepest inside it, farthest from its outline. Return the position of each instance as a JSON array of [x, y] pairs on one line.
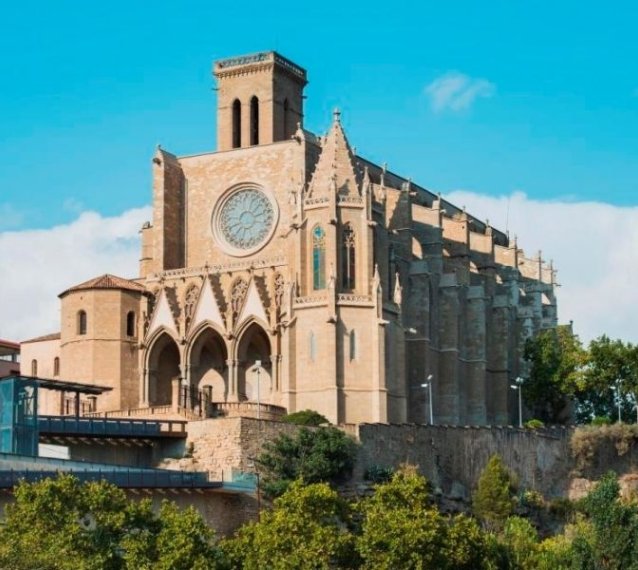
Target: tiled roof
[[52, 336], [9, 344], [106, 281]]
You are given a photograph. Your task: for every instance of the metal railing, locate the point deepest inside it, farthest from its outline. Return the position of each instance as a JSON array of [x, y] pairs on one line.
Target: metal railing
[[126, 479], [109, 427]]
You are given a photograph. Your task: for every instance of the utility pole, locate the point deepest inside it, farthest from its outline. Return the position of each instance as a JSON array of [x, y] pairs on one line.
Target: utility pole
[[519, 387]]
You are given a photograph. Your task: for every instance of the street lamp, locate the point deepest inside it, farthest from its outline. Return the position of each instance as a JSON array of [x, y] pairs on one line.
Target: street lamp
[[428, 384], [257, 369], [619, 399], [519, 386]]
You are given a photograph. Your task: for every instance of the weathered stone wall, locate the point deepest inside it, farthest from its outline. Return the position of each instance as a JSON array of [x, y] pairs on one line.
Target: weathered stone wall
[[452, 458]]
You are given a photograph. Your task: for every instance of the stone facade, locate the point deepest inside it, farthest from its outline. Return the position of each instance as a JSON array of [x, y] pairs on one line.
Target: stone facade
[[350, 284]]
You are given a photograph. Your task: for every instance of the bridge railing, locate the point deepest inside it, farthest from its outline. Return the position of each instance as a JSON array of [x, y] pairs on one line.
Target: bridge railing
[[130, 478], [109, 426]]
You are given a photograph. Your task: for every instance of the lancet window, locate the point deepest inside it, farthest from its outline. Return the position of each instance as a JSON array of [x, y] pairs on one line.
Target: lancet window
[[254, 121], [236, 123], [318, 258], [348, 264]]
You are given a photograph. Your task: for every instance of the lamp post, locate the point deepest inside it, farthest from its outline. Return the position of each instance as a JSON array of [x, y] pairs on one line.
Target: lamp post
[[428, 384], [619, 399], [519, 386], [257, 369]]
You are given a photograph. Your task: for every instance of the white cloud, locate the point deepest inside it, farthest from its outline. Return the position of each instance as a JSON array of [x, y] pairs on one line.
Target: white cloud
[[594, 247], [10, 217], [457, 91], [37, 265]]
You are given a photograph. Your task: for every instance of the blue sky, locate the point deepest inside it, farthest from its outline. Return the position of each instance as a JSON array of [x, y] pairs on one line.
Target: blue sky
[[523, 111], [88, 88]]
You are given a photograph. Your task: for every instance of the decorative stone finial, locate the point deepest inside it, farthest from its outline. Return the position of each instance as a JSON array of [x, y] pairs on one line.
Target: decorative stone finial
[[336, 115]]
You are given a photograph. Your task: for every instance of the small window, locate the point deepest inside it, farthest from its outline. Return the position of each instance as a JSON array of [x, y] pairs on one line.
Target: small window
[[236, 124], [82, 322], [56, 366], [313, 346], [254, 121], [130, 323], [34, 367]]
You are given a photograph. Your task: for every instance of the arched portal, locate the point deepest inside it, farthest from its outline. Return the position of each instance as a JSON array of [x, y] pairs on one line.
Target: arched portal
[[254, 345], [163, 367], [207, 362]]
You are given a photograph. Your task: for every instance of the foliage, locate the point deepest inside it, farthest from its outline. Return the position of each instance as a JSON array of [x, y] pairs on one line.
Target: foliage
[[400, 529], [306, 529], [306, 418], [610, 378], [557, 359], [493, 500], [60, 524], [586, 441], [601, 421], [534, 424], [614, 543], [378, 474], [313, 456]]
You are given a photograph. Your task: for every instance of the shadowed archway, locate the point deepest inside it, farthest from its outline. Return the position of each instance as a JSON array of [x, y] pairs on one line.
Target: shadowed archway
[[163, 367], [254, 345], [207, 362]]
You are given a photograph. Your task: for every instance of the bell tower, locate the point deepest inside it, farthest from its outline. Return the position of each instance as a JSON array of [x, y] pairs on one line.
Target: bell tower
[[260, 99]]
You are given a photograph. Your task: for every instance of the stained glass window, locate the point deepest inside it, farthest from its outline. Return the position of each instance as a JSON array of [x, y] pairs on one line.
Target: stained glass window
[[318, 258]]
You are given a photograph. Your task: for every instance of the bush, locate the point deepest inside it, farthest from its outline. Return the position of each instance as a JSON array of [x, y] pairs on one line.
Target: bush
[[601, 421], [493, 501], [587, 440], [534, 424], [313, 456], [378, 474], [306, 418]]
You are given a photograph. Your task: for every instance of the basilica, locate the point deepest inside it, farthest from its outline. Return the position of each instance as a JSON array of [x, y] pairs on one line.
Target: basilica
[[284, 272]]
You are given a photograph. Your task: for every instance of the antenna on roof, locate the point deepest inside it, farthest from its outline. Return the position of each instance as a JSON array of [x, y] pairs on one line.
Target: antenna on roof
[[507, 216]]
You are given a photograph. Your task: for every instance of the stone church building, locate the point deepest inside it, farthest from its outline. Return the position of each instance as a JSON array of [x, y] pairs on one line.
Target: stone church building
[[287, 271]]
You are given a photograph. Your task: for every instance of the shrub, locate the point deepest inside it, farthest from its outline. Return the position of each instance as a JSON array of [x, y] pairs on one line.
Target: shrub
[[493, 501], [306, 418], [378, 474], [534, 424]]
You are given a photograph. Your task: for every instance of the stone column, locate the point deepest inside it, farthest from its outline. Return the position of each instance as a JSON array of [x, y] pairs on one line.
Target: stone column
[[175, 386], [233, 395]]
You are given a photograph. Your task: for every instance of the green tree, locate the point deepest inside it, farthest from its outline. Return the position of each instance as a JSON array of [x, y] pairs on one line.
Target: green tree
[[615, 528], [306, 418], [400, 529], [556, 359], [60, 524], [306, 529], [313, 456], [493, 501], [611, 373]]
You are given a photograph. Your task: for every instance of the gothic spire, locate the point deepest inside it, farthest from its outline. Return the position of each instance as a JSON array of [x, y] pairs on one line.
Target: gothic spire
[[336, 169]]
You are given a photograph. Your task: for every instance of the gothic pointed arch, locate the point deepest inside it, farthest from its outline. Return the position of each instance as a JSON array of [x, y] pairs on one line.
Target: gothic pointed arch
[[253, 345], [206, 357], [163, 364]]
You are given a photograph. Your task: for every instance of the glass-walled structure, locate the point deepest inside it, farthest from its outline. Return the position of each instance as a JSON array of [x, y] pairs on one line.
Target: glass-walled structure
[[19, 416]]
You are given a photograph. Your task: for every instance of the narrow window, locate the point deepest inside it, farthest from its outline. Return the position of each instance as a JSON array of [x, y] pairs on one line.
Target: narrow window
[[348, 258], [130, 323], [254, 121], [313, 346], [318, 258], [286, 119], [236, 124], [56, 366], [353, 345], [82, 322], [34, 368]]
